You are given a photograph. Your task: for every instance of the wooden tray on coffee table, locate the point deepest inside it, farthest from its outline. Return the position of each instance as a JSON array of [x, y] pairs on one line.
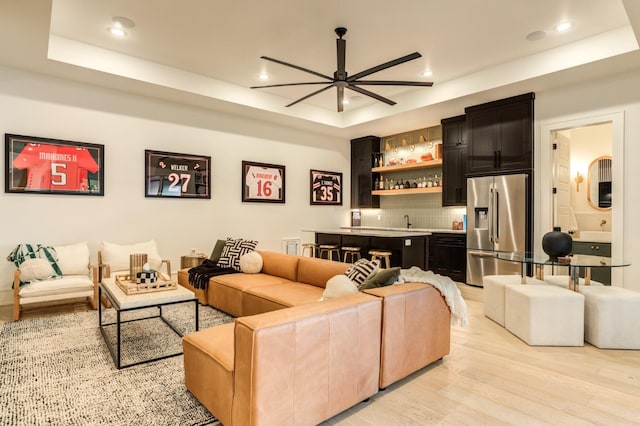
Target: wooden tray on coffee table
[[129, 286]]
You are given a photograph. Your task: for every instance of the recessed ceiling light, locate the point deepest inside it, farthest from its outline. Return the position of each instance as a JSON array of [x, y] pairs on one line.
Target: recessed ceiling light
[[263, 76], [427, 74], [536, 35], [345, 101], [118, 26], [563, 26]]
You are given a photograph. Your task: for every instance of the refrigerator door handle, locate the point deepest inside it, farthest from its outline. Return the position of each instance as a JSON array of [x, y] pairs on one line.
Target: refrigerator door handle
[[496, 216], [490, 218], [481, 253]]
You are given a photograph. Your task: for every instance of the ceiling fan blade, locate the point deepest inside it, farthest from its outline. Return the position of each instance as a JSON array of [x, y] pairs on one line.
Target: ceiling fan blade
[[310, 95], [370, 94], [277, 61], [287, 84], [340, 98], [341, 47], [391, 83], [411, 57]]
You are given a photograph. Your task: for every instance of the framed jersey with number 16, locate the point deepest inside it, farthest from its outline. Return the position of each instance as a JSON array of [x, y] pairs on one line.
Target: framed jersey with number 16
[[53, 166], [326, 188], [262, 182]]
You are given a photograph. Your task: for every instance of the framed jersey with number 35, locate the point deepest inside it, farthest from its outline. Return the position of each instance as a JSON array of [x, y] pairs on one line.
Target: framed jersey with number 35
[[53, 166], [263, 183], [326, 188]]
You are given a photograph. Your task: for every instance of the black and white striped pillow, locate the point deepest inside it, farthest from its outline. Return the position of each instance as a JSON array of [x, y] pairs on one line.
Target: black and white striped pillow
[[362, 270], [233, 251]]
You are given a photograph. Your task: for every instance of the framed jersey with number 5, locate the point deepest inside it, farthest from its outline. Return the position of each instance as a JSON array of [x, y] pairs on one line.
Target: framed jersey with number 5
[[262, 183], [53, 166], [326, 188]]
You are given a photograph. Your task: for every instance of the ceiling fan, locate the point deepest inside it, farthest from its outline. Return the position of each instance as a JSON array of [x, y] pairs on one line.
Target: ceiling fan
[[342, 80]]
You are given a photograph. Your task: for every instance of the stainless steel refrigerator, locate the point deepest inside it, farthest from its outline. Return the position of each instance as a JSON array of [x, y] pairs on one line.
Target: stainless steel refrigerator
[[498, 219]]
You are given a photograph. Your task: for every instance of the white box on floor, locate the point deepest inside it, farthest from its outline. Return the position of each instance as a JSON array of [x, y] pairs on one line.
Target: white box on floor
[[493, 293], [545, 315], [611, 317]]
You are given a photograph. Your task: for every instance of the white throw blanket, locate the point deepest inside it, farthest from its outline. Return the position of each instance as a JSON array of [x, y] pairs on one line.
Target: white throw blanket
[[445, 285]]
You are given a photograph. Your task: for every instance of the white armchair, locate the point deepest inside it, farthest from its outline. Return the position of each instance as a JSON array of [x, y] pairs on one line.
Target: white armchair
[[79, 279], [114, 258]]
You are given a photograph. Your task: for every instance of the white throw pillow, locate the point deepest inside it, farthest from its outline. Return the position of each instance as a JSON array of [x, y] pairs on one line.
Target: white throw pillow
[[338, 286], [117, 255], [36, 269], [251, 263], [73, 259]]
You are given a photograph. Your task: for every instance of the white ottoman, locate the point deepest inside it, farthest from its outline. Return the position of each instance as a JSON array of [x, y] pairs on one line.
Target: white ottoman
[[493, 294], [611, 317], [545, 315]]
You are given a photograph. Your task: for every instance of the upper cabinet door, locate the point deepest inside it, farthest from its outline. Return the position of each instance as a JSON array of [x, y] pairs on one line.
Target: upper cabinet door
[[500, 136], [362, 151]]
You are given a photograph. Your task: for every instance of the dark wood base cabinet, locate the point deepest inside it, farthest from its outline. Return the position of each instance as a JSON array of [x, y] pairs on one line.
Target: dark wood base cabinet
[[448, 255]]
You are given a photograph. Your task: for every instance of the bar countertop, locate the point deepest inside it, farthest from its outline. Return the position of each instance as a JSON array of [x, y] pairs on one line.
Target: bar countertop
[[384, 232]]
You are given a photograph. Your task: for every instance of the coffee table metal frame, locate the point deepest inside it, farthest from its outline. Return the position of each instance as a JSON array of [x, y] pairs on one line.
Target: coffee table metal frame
[[116, 352]]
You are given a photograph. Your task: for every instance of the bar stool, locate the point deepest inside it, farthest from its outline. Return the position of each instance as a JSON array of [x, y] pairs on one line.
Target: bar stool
[[329, 249], [382, 254], [311, 247], [352, 252]]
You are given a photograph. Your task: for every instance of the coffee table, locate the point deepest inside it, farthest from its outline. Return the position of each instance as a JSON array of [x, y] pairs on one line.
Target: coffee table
[[124, 303]]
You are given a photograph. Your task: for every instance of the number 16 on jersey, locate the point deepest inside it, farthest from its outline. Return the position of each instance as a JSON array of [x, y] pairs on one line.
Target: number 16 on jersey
[[262, 182]]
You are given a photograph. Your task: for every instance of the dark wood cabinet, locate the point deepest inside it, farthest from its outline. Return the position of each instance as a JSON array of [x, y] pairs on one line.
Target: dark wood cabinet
[[362, 155], [454, 161], [602, 275], [448, 255], [500, 136]]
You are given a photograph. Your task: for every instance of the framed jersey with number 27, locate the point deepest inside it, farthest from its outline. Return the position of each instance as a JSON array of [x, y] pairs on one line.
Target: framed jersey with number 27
[[262, 183], [53, 166], [326, 188]]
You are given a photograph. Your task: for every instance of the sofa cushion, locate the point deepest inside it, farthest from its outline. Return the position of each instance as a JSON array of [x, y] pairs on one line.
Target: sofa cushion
[[73, 259], [233, 250], [117, 255], [251, 263], [338, 286], [362, 270], [317, 272], [280, 265], [64, 285], [284, 294]]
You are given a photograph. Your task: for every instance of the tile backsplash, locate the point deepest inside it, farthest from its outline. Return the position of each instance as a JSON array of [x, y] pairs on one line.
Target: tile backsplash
[[424, 210]]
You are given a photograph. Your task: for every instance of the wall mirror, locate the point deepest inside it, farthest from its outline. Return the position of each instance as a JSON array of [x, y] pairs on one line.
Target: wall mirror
[[599, 183]]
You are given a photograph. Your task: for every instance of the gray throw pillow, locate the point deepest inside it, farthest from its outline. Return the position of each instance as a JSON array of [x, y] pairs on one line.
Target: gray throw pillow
[[383, 278], [217, 251]]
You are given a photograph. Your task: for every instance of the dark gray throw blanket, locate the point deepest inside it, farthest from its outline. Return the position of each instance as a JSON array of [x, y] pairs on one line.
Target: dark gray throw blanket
[[199, 275]]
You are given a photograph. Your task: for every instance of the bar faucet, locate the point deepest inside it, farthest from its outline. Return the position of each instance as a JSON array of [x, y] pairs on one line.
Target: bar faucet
[[406, 217]]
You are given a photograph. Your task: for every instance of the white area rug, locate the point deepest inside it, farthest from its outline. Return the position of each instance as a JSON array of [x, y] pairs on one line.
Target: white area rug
[[58, 371]]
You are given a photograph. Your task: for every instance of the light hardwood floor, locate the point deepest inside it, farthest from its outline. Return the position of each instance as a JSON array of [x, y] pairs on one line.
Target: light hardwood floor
[[492, 378]]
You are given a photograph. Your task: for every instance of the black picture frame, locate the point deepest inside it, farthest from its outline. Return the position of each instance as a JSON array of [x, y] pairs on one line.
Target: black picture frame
[[325, 188], [35, 165], [263, 183], [176, 175]]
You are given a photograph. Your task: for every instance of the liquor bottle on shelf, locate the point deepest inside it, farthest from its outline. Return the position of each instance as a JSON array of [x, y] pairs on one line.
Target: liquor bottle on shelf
[[376, 184]]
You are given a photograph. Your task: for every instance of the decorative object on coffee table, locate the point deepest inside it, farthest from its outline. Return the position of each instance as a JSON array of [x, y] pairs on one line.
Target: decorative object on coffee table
[[557, 243]]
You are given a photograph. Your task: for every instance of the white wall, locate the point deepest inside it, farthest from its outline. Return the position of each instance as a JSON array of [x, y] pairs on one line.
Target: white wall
[[126, 125], [610, 95]]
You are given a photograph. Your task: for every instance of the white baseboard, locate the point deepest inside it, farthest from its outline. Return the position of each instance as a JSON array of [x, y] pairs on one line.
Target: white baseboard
[[6, 297]]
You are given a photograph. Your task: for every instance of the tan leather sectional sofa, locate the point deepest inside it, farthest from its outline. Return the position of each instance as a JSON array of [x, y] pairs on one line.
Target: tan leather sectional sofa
[[289, 359]]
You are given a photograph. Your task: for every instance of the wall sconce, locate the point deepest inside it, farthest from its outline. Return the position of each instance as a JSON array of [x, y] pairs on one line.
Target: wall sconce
[[429, 144], [579, 179]]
